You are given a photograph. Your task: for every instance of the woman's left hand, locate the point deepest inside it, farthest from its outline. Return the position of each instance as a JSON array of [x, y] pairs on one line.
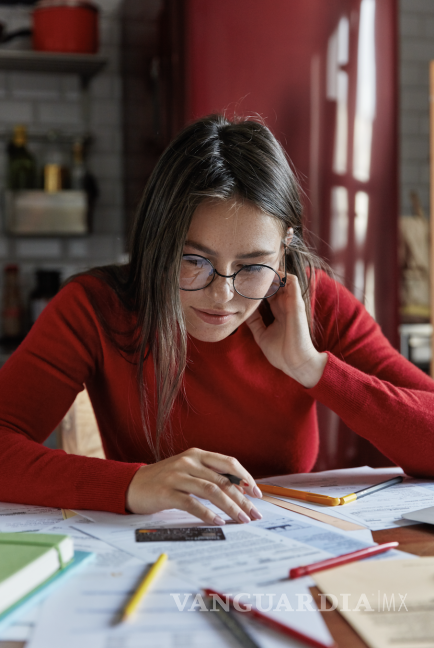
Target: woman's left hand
[[286, 343]]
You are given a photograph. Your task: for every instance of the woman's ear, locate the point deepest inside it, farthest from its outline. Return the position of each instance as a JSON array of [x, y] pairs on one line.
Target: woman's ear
[[289, 236]]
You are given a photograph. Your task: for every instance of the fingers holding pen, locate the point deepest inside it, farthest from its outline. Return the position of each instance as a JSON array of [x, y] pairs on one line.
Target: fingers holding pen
[[178, 481], [230, 466], [219, 491], [216, 495], [236, 493]]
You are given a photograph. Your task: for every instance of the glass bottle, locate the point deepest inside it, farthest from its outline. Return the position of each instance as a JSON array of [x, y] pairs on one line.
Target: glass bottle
[[56, 173], [82, 179], [21, 172], [12, 312]]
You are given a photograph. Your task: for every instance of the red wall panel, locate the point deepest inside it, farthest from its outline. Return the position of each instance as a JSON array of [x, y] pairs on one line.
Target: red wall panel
[[323, 74]]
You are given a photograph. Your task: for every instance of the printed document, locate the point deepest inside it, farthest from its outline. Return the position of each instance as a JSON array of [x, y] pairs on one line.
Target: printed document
[[22, 517], [249, 554], [85, 614], [301, 539]]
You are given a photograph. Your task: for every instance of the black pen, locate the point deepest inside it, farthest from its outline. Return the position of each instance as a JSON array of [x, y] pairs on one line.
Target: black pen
[[352, 497], [232, 478], [229, 620]]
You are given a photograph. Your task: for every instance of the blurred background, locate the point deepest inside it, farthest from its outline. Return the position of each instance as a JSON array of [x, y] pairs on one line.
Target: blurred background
[[92, 92]]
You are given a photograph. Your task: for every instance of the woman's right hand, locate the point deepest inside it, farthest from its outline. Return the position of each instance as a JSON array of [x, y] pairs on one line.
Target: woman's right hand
[[171, 483]]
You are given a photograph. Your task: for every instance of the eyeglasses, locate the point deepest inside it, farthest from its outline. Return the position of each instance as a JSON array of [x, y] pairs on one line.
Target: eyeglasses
[[254, 281]]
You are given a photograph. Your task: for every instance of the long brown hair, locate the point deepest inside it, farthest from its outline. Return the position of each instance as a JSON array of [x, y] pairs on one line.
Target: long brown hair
[[211, 158]]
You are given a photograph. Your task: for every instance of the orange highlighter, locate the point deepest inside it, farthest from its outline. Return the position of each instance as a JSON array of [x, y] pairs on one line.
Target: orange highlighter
[[301, 495], [326, 499]]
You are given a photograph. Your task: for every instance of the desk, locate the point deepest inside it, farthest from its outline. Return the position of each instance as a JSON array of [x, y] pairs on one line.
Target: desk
[[417, 539]]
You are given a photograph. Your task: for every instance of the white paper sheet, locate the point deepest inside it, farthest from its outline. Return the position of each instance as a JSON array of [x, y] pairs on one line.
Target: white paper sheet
[[23, 517], [272, 513], [382, 510], [23, 629], [155, 520], [84, 614], [175, 517], [106, 556], [325, 539], [248, 555], [307, 540]]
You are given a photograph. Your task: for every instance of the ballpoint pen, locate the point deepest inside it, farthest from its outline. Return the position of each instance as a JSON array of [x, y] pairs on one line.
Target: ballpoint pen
[[367, 552], [230, 621], [352, 497]]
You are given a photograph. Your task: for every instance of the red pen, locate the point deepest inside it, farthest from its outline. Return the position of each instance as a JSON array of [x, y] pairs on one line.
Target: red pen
[[270, 622], [305, 570]]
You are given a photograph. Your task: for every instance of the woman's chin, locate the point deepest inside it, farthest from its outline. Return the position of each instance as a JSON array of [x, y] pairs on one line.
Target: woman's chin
[[210, 333]]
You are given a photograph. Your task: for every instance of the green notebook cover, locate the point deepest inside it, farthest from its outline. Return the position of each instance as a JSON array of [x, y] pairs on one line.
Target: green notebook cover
[[20, 550], [17, 550], [45, 589]]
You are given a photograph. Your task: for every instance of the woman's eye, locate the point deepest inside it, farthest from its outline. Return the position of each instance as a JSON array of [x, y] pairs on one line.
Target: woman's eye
[[191, 260], [194, 262], [253, 269]]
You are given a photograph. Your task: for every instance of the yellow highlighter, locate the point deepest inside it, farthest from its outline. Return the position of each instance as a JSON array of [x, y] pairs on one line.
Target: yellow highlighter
[[140, 592]]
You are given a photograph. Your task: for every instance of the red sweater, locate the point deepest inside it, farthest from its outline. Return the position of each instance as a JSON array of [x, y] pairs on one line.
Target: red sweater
[[236, 402]]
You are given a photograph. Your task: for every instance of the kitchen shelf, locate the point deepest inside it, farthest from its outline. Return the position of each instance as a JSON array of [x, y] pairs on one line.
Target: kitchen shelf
[[86, 66]]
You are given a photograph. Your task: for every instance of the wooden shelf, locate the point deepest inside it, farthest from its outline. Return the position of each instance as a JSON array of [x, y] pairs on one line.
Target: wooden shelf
[[85, 65]]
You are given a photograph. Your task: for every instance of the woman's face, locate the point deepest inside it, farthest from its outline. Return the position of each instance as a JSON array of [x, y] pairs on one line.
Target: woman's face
[[230, 234]]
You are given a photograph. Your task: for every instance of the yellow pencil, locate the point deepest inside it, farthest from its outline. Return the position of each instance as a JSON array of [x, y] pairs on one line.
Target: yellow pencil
[[301, 495], [140, 592]]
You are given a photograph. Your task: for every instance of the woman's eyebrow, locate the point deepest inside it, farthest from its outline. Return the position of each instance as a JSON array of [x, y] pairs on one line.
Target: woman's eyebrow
[[249, 255]]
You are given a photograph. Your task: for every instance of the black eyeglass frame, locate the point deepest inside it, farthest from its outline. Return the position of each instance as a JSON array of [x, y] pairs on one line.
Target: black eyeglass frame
[[232, 276]]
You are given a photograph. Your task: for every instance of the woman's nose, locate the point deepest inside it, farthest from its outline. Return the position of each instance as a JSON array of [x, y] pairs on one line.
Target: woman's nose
[[222, 289]]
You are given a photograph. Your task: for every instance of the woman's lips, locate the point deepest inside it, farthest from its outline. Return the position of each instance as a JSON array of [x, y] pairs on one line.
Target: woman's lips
[[214, 318]]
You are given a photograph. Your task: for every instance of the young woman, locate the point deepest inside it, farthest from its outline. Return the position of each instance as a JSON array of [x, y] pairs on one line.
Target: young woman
[[205, 355]]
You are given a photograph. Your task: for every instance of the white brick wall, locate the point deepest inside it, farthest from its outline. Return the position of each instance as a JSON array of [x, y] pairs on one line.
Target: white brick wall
[[43, 101], [416, 50]]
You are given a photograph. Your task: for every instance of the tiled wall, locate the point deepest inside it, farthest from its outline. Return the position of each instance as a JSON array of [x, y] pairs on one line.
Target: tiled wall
[[44, 101], [416, 50], [142, 113]]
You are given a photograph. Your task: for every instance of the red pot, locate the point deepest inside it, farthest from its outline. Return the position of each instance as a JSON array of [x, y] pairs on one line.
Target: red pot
[[69, 26]]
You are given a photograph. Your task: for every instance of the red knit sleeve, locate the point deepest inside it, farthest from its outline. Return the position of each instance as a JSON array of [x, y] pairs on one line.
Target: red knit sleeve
[[38, 384], [375, 390]]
